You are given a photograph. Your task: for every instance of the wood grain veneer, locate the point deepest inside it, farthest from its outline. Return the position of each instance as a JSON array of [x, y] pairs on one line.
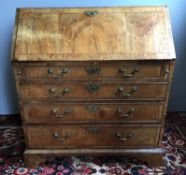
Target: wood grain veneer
[[114, 33]]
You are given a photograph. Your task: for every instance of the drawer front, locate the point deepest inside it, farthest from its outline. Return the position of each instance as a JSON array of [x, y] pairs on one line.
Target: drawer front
[[108, 70], [93, 91], [91, 112], [93, 136]]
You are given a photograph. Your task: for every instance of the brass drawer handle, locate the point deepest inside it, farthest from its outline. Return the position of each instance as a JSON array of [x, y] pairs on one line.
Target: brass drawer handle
[[125, 114], [122, 137], [93, 88], [91, 13], [93, 70], [92, 108], [121, 91], [93, 130], [63, 71], [53, 91], [60, 115], [65, 91], [66, 136], [126, 73]]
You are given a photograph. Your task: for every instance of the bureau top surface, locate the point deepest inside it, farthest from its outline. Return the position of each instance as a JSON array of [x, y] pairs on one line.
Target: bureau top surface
[[81, 34]]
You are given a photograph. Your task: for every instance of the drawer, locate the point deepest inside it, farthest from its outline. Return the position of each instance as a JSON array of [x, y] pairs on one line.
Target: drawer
[[92, 112], [93, 70], [91, 136], [90, 91]]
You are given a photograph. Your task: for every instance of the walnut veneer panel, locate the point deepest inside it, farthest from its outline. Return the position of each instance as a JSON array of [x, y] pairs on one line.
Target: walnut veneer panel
[[47, 113], [95, 70], [87, 91], [91, 136], [109, 34]]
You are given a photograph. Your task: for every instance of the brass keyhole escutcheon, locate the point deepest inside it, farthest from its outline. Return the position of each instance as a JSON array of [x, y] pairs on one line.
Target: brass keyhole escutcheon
[[93, 129], [92, 108], [93, 88], [91, 13]]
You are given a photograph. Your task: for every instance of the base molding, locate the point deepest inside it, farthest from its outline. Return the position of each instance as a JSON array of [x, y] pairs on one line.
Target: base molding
[[153, 157]]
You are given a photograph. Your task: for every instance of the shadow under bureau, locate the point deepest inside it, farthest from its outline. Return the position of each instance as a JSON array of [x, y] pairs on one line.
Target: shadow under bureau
[[93, 81]]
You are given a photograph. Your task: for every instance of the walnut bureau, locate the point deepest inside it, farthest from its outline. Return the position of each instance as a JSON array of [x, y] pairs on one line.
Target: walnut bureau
[[93, 81]]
